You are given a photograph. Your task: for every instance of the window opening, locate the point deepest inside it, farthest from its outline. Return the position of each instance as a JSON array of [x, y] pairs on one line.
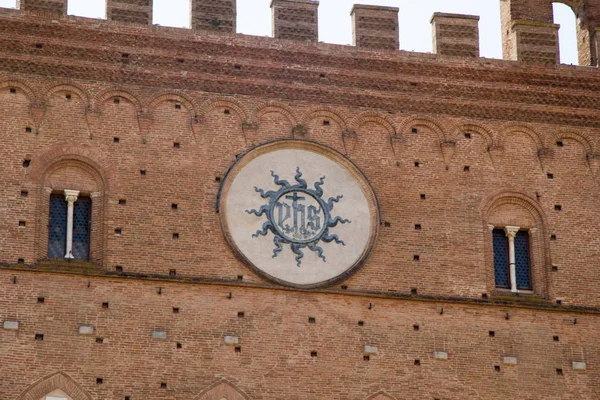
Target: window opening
[[511, 259], [87, 8], [567, 34], [175, 13], [69, 226]]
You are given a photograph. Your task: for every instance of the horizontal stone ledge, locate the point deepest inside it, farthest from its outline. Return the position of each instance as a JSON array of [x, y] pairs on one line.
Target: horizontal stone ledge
[[504, 301]]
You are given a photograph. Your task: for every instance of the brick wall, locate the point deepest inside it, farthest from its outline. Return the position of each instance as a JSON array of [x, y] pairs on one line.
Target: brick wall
[[450, 144]]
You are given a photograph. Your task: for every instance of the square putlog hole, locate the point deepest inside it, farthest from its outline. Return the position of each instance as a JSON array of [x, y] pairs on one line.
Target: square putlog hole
[[312, 320]]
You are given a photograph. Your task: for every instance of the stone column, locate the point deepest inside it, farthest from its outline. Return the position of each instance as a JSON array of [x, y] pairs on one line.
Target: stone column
[[71, 198], [511, 232]]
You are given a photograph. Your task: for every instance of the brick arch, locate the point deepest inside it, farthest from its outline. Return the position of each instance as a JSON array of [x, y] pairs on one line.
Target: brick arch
[[58, 380], [519, 199], [274, 107], [99, 101], [381, 395], [223, 102], [472, 128], [420, 121], [81, 93], [222, 390], [42, 163], [189, 103], [508, 129], [584, 141], [24, 88], [376, 118], [326, 112]]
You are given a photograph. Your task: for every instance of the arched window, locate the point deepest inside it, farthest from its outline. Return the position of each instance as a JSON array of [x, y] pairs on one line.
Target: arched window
[[567, 34], [516, 245]]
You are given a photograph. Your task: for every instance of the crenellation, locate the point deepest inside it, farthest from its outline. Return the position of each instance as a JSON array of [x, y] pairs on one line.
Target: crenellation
[[295, 19], [455, 34], [129, 11], [55, 8], [375, 27], [214, 15]]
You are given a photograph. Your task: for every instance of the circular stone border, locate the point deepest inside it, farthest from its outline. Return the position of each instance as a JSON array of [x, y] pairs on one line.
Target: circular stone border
[[306, 145]]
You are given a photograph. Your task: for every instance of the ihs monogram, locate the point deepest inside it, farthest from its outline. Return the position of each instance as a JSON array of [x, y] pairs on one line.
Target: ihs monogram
[[298, 216]]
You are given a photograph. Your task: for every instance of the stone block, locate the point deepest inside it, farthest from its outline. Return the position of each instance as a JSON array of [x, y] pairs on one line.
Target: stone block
[[579, 365], [509, 360], [86, 330], [370, 349], [231, 340], [11, 325], [440, 355], [159, 334]]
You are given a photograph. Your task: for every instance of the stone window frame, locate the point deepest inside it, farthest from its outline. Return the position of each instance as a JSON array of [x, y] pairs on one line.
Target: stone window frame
[[97, 236], [539, 251]]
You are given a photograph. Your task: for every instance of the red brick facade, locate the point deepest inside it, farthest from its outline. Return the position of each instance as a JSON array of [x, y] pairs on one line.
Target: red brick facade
[[143, 118]]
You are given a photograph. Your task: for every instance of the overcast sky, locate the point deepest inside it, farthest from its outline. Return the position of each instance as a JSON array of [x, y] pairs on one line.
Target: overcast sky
[[254, 18]]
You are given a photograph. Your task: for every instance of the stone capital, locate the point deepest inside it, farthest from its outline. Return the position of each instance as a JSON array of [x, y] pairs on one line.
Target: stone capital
[[511, 231], [71, 195]]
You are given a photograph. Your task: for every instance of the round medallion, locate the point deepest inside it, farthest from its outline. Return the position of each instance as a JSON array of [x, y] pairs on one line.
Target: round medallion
[[298, 213]]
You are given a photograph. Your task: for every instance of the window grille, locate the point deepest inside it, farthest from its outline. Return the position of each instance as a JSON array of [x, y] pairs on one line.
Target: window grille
[[501, 267], [57, 232]]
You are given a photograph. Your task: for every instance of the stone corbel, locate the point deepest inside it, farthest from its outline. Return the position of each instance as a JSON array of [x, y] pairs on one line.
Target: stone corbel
[[37, 114], [250, 131], [144, 122], [545, 155], [496, 154], [396, 140], [349, 139], [448, 150], [594, 162]]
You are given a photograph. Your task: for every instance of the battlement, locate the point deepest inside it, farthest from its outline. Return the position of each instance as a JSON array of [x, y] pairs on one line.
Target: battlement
[[528, 31]]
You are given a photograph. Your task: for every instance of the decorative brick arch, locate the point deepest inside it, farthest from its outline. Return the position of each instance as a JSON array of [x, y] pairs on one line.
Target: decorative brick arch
[[584, 141], [511, 128], [420, 121], [58, 380], [376, 118], [81, 93], [189, 103], [381, 395], [24, 88], [223, 102], [325, 112], [274, 107], [222, 390], [458, 130], [99, 100], [540, 249], [68, 151]]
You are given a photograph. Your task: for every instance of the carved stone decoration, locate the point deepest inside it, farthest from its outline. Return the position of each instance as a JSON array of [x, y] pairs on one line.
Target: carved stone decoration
[[594, 162], [299, 131], [349, 138], [250, 131], [448, 150], [92, 117], [37, 113], [298, 213], [545, 155], [144, 121], [396, 141], [496, 154]]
